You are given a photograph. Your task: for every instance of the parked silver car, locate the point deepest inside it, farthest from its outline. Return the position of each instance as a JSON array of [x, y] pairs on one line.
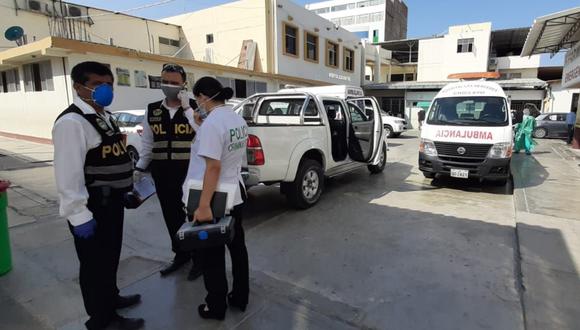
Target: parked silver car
[[129, 122], [551, 125]]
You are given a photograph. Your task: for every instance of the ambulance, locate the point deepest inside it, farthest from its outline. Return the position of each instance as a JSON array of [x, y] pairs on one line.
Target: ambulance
[[467, 133]]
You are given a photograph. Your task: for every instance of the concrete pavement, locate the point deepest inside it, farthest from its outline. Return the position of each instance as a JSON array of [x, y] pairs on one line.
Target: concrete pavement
[[392, 251], [547, 199]]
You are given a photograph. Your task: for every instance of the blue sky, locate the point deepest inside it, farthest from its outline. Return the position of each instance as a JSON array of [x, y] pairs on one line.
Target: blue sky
[[426, 17]]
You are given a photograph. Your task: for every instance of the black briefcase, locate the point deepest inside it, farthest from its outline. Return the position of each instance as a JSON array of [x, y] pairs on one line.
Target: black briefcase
[[192, 235]]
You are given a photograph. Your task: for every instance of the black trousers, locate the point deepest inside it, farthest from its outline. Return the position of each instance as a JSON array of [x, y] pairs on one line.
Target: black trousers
[[99, 256], [169, 177], [570, 133], [214, 268]]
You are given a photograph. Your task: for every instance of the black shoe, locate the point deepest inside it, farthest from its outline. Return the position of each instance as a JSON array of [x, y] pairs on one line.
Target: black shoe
[[125, 323], [206, 313], [194, 273], [127, 301], [174, 265], [233, 302]]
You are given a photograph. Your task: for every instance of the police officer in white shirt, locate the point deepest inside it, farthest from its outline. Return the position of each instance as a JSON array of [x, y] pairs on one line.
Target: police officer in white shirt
[[166, 142], [216, 157], [93, 172]]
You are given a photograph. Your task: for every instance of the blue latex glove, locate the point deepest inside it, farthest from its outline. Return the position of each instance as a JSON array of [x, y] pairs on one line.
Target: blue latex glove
[[86, 230]]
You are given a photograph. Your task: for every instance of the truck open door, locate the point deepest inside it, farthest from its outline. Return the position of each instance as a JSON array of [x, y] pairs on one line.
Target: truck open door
[[365, 129]]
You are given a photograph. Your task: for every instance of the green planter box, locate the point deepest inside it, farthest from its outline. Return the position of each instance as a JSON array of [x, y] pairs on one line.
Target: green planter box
[[5, 255]]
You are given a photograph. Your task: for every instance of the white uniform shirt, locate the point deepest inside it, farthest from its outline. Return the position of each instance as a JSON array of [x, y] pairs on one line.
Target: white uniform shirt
[[222, 136], [146, 154], [73, 136]]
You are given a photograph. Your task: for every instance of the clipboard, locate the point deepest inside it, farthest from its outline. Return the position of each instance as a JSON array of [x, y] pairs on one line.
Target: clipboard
[[142, 190], [221, 203]]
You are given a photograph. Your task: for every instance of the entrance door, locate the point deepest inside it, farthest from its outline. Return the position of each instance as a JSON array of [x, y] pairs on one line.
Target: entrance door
[[365, 129]]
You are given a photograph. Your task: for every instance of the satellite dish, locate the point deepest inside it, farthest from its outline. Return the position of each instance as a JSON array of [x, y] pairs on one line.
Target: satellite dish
[[14, 33]]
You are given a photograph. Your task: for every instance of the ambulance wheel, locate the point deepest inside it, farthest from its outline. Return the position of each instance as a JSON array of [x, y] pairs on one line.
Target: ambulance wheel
[[376, 169], [133, 154], [429, 175], [306, 189]]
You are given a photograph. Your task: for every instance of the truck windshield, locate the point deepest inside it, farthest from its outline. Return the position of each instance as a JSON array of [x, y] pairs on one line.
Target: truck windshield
[[469, 111]]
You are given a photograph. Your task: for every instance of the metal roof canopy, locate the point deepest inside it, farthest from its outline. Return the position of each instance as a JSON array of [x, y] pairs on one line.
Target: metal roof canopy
[[508, 42], [553, 32], [511, 84], [404, 51]]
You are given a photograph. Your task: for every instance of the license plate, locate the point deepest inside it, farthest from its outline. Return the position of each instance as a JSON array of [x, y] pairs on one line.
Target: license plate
[[463, 174]]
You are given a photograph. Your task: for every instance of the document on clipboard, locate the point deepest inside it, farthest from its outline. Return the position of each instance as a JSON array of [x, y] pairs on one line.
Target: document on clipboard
[[144, 188]]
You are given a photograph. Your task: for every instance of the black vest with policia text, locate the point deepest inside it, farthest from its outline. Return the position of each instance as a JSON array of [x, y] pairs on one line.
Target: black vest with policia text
[[109, 164], [172, 137]]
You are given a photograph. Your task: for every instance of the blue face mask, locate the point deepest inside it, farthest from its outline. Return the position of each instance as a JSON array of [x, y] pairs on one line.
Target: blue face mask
[[102, 95]]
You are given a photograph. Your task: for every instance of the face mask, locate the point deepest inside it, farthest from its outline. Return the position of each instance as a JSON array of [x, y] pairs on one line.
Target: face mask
[[201, 106], [171, 91], [102, 95]]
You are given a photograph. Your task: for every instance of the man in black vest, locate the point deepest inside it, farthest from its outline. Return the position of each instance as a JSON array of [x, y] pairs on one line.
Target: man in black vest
[[166, 142], [93, 171]]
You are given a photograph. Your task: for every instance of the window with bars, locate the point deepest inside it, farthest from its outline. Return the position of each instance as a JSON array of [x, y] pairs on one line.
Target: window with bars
[[348, 60], [332, 52], [38, 77], [9, 81], [310, 47], [465, 45], [290, 39], [322, 10], [168, 42], [338, 8]]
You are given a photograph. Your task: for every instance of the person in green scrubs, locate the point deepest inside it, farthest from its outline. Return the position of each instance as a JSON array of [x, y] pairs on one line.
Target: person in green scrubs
[[523, 138]]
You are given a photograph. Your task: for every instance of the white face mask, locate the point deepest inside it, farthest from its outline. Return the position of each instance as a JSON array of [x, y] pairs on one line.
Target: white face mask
[[171, 91], [201, 106]]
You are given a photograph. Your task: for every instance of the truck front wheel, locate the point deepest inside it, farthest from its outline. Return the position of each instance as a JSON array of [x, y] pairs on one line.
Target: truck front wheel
[[376, 169], [306, 189]]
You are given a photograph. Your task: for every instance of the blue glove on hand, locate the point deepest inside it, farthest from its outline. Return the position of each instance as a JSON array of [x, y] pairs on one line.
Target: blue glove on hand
[[86, 230]]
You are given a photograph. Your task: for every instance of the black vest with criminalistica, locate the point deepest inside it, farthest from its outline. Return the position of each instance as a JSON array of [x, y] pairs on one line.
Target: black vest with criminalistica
[[109, 164], [172, 137]]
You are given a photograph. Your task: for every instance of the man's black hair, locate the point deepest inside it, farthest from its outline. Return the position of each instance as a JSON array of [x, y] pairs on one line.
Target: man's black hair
[[80, 72], [170, 67]]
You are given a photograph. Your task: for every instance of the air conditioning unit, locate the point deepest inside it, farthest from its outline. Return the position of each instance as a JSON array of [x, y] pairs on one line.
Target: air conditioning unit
[[74, 11], [34, 5]]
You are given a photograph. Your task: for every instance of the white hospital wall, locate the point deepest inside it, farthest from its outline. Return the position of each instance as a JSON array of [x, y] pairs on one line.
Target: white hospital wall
[[439, 58]]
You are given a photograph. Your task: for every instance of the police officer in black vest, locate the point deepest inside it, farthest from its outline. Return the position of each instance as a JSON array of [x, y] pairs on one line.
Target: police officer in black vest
[[166, 142], [93, 171]]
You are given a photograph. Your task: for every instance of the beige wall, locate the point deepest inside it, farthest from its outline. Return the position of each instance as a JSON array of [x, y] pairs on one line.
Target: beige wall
[[230, 25], [438, 57], [126, 31], [560, 99], [288, 11], [32, 113]]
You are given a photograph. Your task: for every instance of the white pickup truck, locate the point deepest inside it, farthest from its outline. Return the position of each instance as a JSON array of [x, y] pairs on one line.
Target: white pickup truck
[[299, 137]]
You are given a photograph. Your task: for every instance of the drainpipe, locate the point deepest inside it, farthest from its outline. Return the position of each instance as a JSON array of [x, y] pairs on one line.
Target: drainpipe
[[66, 78]]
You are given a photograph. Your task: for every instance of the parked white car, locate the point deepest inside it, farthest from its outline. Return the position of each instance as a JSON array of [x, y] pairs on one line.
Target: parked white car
[[298, 137], [129, 122], [394, 126]]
